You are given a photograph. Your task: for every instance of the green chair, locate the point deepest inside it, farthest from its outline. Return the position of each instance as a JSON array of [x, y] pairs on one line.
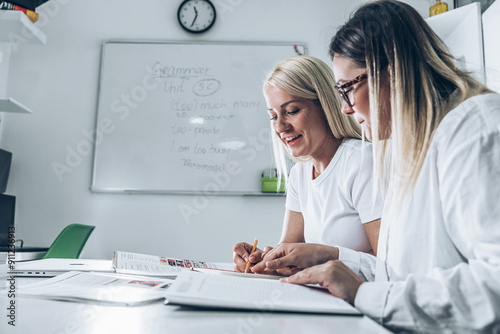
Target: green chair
[[69, 243]]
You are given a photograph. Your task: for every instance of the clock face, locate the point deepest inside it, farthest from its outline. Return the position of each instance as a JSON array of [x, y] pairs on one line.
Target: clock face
[[196, 16]]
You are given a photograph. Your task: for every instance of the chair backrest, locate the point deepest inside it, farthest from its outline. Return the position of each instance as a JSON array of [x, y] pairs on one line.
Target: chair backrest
[[69, 243]]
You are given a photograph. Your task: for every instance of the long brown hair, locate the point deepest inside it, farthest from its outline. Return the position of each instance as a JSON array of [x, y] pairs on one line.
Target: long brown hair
[[399, 50]]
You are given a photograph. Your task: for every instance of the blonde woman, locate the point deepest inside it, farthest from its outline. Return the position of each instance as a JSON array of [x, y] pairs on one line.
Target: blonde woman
[[436, 142], [329, 194]]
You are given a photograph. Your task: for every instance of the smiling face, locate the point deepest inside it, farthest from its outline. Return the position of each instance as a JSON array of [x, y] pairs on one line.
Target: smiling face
[[299, 123]]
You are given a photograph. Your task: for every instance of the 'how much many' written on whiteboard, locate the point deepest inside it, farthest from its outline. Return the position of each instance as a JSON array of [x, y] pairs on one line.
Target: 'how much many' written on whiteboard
[[184, 117]]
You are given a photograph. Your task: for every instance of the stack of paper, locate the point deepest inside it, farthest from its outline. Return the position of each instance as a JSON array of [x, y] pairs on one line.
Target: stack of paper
[[100, 288]]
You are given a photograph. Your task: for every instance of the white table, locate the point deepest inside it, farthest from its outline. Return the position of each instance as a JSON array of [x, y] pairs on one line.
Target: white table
[[49, 316]]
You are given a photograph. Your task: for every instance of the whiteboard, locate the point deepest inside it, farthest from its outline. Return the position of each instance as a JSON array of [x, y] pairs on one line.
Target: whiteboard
[[184, 117]]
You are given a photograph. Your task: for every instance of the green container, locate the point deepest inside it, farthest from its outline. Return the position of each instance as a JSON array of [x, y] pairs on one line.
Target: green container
[[270, 185]]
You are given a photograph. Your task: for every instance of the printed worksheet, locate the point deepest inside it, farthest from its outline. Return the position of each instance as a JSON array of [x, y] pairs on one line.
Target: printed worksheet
[[219, 291], [152, 265]]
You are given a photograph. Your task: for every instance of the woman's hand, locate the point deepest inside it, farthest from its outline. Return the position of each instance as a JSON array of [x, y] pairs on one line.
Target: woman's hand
[[338, 278], [287, 259], [241, 254]]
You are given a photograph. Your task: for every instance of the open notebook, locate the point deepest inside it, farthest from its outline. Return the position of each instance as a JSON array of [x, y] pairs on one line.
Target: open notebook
[[231, 292]]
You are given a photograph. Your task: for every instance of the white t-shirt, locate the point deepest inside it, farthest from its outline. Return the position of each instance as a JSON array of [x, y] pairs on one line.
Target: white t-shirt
[[339, 201], [439, 268]]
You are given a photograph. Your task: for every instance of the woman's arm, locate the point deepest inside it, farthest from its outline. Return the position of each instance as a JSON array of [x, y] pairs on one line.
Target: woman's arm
[[293, 227], [289, 258], [460, 297], [359, 190], [372, 230]]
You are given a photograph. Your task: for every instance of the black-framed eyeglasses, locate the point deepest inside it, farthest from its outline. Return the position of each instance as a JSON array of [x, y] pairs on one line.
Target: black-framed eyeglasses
[[344, 89]]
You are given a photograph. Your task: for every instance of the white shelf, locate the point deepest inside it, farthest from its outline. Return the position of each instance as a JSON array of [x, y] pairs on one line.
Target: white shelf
[[17, 28], [461, 31], [444, 24], [11, 105]]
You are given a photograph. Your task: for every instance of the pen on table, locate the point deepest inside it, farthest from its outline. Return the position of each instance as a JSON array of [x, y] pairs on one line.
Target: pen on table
[[253, 250]]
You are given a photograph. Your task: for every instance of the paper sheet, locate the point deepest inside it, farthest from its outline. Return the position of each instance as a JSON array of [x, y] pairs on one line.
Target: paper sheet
[[151, 265], [109, 289], [217, 291]]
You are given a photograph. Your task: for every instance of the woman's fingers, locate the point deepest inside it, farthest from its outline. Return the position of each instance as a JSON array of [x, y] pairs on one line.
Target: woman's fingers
[[339, 279], [240, 255]]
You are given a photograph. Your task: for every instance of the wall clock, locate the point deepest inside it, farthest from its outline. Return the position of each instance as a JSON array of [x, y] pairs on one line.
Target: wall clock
[[196, 16]]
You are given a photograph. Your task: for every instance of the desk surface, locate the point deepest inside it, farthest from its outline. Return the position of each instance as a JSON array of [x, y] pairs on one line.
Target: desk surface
[[49, 316]]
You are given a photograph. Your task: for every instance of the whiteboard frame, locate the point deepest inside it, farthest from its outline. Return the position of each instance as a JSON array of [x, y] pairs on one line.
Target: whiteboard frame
[[94, 189]]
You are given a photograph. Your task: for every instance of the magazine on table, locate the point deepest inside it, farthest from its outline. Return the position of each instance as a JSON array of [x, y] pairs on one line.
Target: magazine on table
[[160, 266], [98, 288]]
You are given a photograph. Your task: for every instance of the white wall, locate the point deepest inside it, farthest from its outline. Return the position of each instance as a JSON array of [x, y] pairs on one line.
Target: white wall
[[491, 27], [59, 82]]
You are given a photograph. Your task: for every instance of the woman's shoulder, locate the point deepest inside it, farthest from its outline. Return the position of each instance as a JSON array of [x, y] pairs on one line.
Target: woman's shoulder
[[355, 150], [354, 144], [478, 116], [301, 168], [475, 108]]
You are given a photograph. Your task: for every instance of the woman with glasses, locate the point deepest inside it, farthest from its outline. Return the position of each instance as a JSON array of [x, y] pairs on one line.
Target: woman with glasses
[[329, 191], [436, 146]]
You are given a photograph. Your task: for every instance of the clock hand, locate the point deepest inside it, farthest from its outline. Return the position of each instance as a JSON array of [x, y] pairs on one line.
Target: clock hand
[[195, 17]]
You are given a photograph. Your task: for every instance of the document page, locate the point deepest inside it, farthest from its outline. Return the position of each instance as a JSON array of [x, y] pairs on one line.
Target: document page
[[152, 265], [218, 291], [214, 271]]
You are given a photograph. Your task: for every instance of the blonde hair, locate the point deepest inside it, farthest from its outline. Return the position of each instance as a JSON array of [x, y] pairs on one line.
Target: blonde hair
[[309, 78], [391, 40]]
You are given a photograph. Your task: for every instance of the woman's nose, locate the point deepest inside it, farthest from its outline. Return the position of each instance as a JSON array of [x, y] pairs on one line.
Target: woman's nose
[[282, 125], [346, 108]]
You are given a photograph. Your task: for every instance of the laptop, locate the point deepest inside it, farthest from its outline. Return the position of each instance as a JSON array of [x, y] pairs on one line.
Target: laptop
[[7, 213], [7, 233], [54, 267]]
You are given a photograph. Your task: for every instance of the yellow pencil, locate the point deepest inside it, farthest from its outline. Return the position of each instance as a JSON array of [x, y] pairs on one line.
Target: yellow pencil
[[253, 250]]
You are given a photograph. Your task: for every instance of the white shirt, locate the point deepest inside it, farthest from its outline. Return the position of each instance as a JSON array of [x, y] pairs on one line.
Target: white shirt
[[339, 201], [439, 267]]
